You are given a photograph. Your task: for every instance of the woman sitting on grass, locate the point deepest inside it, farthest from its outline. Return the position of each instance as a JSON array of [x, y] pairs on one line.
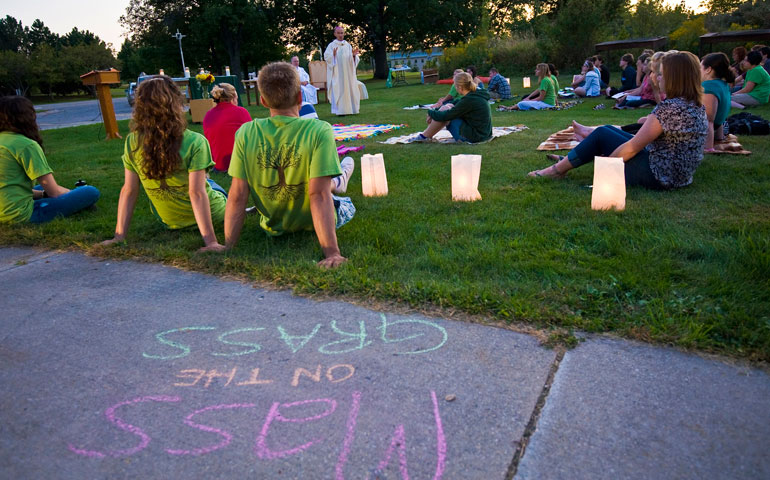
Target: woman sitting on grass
[[170, 162], [22, 163], [468, 120], [716, 74], [647, 93], [221, 122], [587, 83], [544, 96], [667, 149]]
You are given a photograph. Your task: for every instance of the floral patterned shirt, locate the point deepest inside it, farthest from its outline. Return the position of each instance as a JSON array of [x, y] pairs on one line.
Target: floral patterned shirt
[[678, 151]]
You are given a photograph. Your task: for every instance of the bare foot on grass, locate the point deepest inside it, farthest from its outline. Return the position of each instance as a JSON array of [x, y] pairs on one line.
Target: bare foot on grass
[[581, 131]]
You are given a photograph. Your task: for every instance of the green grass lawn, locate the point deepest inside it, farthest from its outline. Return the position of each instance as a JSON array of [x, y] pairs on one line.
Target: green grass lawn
[[689, 267]]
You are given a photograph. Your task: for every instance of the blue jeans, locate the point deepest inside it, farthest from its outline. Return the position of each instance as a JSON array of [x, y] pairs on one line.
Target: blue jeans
[[216, 187], [46, 209], [454, 128], [602, 142]]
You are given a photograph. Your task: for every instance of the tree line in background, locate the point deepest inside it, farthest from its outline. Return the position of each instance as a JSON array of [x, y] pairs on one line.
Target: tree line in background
[[36, 58], [513, 35]]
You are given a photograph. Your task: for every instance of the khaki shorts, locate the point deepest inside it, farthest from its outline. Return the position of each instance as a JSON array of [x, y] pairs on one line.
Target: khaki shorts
[[745, 99]]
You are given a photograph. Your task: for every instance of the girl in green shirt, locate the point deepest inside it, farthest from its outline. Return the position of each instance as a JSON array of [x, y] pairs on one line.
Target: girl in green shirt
[[542, 98], [170, 162], [23, 163]]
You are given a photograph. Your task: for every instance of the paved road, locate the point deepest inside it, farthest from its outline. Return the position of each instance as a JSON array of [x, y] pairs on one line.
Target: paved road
[[132, 370], [73, 114]]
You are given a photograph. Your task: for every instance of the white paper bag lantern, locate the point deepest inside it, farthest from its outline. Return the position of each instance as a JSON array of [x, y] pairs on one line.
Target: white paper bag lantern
[[609, 184], [227, 71], [526, 82], [374, 182], [161, 72], [465, 177]]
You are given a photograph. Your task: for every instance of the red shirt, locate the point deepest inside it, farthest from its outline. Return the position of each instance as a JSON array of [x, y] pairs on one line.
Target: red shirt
[[219, 126]]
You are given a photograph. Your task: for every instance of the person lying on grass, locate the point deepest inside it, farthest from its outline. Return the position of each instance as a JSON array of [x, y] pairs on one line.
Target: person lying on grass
[[170, 162], [287, 164], [468, 120], [23, 163], [669, 146], [544, 96]]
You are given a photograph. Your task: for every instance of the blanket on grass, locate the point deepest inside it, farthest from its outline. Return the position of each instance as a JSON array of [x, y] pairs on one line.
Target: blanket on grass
[[445, 137], [346, 133], [560, 106], [343, 150], [565, 140]]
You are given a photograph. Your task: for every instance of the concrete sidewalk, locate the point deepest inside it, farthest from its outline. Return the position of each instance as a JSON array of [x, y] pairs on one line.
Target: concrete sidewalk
[[132, 370]]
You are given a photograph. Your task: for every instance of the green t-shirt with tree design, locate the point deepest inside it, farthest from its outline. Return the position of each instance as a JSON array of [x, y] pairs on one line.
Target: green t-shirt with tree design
[[278, 156], [170, 197]]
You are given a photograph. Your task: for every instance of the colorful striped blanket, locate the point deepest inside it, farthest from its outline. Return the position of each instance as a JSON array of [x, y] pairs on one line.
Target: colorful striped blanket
[[346, 133]]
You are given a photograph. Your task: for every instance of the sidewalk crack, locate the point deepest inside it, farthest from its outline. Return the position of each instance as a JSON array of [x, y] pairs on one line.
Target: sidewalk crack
[[529, 430]]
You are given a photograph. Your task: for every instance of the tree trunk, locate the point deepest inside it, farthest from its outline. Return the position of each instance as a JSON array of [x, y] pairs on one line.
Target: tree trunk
[[232, 43], [380, 61]]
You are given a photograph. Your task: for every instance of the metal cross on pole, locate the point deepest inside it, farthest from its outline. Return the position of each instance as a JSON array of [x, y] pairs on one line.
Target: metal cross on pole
[[179, 37]]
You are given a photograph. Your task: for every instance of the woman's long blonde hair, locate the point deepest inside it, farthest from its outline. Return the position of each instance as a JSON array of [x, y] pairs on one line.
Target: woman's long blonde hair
[[542, 70], [465, 81], [159, 123]]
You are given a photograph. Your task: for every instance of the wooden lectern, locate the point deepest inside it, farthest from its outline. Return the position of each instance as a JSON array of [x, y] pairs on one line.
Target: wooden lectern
[[102, 79]]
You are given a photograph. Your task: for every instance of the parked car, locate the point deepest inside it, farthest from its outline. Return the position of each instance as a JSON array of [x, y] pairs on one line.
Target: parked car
[[130, 93]]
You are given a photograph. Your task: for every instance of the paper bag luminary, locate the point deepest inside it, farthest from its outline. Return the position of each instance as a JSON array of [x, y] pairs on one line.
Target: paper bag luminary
[[609, 184], [374, 182], [465, 177], [526, 82]]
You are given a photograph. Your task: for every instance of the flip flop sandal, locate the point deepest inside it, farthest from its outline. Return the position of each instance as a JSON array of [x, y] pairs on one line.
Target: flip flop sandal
[[554, 157]]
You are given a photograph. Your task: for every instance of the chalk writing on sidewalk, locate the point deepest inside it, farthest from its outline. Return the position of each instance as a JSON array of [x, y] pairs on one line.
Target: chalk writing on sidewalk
[[278, 413], [195, 376], [397, 336]]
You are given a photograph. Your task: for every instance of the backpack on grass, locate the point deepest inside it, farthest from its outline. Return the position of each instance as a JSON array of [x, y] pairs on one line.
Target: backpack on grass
[[745, 123]]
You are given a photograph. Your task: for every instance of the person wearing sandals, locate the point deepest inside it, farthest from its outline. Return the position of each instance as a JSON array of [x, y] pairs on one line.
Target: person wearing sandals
[[468, 120], [667, 149], [23, 163], [542, 98], [716, 74], [170, 162]]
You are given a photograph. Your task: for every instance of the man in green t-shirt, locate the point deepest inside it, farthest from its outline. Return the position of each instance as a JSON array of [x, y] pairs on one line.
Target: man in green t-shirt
[[286, 164]]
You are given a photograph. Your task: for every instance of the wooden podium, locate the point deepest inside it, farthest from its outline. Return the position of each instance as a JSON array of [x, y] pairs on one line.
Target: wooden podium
[[102, 79]]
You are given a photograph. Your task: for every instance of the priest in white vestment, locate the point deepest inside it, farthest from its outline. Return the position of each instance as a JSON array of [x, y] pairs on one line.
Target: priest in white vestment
[[309, 92], [342, 84]]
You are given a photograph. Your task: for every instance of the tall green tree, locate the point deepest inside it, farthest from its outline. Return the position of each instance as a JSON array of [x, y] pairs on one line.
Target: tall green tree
[[13, 35], [380, 25], [218, 32]]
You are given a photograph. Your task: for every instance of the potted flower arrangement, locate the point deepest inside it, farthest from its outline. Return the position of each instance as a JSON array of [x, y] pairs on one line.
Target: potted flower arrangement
[[199, 107]]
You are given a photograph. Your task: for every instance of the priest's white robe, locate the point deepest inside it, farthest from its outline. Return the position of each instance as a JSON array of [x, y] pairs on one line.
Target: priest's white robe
[[309, 92], [341, 81]]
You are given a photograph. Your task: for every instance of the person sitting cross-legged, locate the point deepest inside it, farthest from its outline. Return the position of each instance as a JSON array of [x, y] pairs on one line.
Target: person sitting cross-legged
[[498, 87], [545, 96], [287, 164], [756, 89], [669, 146]]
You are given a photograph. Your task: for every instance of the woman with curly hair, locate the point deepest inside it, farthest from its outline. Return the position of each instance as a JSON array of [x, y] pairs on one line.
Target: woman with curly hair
[[170, 162], [22, 163]]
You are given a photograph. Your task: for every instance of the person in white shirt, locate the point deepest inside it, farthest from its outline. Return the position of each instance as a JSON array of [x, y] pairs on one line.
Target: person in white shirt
[[309, 92]]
